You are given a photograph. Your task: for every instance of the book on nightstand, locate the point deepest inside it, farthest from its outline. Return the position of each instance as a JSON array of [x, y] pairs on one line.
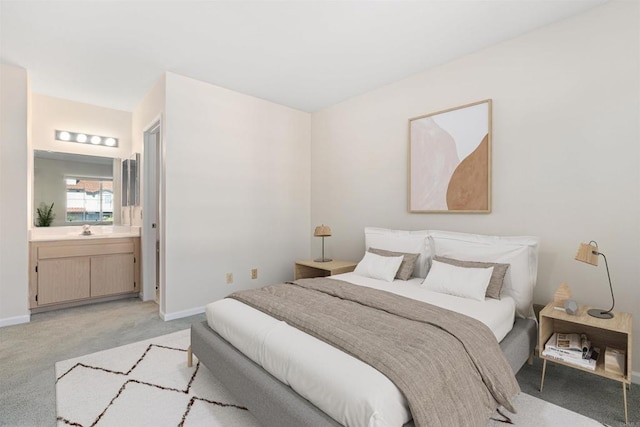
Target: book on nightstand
[[573, 349]]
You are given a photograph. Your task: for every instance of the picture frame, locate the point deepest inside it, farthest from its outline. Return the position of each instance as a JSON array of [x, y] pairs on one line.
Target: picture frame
[[449, 160]]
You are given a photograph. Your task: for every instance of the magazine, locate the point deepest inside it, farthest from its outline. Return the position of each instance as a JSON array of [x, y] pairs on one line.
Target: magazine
[[572, 345], [576, 342], [574, 349]]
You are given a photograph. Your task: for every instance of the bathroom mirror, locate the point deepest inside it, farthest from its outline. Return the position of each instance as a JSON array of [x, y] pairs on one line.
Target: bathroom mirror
[[83, 189]]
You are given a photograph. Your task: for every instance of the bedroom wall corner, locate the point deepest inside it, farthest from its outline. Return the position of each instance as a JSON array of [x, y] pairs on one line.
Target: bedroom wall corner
[[566, 158], [237, 192]]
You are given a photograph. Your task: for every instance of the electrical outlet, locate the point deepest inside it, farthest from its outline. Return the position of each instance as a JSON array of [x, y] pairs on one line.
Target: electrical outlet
[[229, 278], [254, 273]]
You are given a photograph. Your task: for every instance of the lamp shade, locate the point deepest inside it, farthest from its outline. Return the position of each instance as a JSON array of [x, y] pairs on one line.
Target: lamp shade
[[322, 231], [588, 252]]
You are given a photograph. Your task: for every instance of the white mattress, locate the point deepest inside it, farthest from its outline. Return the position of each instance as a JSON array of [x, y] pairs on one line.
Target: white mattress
[[350, 391]]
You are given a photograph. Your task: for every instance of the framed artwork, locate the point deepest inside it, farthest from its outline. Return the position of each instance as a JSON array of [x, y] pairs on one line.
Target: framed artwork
[[450, 160]]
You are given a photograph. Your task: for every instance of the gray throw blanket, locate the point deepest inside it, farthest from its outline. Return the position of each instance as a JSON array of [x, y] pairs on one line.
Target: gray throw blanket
[[449, 366]]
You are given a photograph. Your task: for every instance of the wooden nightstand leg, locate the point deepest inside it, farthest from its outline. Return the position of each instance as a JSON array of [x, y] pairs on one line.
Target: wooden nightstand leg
[[189, 357], [544, 368], [624, 394], [530, 359]]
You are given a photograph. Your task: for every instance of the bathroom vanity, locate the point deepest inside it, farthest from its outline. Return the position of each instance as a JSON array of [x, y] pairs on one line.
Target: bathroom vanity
[[67, 269]]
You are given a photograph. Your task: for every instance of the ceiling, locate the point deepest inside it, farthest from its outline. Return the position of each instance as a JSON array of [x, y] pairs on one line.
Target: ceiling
[[307, 55]]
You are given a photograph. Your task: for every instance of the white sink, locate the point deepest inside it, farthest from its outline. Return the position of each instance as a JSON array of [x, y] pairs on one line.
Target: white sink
[[76, 232]]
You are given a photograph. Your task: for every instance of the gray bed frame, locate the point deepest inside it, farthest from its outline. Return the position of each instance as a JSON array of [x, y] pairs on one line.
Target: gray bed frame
[[275, 404]]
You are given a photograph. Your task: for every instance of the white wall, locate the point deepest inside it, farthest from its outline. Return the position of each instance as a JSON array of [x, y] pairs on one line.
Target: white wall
[[13, 195], [51, 113], [566, 152], [237, 191]]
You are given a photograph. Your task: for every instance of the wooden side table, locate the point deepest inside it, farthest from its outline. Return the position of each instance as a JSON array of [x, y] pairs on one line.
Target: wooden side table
[[616, 332], [308, 269]]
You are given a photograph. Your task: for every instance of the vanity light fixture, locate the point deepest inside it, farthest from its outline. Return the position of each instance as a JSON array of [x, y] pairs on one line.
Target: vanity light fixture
[[83, 138]]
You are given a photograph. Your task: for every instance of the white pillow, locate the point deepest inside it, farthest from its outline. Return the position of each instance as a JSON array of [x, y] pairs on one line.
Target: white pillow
[[379, 267], [413, 242], [459, 281], [520, 252]]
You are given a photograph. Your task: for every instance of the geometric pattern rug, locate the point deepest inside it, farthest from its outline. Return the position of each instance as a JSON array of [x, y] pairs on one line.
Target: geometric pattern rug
[[148, 383]]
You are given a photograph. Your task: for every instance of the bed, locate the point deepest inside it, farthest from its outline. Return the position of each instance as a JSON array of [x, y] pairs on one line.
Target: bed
[[281, 394]]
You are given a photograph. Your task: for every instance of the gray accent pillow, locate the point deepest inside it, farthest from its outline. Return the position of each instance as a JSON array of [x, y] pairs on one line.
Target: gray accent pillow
[[497, 278], [408, 262]]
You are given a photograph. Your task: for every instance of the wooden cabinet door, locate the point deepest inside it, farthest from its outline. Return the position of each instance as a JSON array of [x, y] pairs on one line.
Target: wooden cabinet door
[[63, 279], [111, 274]]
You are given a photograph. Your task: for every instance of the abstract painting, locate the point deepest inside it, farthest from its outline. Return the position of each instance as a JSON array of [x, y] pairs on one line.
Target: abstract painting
[[450, 160]]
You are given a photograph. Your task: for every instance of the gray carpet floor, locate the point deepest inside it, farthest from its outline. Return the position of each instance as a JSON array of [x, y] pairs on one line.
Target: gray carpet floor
[[587, 394], [28, 353]]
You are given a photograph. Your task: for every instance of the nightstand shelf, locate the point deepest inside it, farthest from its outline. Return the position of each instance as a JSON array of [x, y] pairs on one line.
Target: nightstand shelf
[[308, 269], [603, 333]]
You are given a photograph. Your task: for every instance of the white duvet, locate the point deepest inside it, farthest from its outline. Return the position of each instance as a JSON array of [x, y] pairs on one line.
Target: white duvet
[[350, 391]]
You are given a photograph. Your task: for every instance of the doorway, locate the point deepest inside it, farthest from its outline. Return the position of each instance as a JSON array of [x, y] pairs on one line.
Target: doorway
[[152, 259]]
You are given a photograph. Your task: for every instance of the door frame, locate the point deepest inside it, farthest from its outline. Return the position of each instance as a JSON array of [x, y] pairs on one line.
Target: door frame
[[148, 243]]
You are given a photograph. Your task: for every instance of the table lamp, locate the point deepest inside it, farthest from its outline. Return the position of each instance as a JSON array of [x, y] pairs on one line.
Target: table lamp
[[588, 253], [322, 231]]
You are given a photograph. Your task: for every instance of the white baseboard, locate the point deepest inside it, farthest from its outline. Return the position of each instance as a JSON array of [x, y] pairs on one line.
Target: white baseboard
[[635, 377], [16, 320], [181, 314]]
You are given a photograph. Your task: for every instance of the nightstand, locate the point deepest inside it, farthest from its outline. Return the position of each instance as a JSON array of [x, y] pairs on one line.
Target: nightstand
[[308, 269], [616, 332]]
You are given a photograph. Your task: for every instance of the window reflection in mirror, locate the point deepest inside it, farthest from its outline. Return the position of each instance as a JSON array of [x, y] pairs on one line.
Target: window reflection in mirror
[[82, 188], [89, 200]]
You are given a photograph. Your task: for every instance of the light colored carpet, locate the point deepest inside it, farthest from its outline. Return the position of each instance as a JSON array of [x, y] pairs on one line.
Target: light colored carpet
[[149, 383]]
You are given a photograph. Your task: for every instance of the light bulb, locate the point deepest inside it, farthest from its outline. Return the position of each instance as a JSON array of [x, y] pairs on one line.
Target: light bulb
[[65, 136], [81, 137], [110, 142], [95, 139]]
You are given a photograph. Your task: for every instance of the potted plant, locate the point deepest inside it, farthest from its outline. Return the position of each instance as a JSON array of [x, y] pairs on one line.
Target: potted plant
[[45, 215]]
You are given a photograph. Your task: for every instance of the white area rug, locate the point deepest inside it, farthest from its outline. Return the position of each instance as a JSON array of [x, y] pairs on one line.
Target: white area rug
[[534, 412], [148, 383]]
